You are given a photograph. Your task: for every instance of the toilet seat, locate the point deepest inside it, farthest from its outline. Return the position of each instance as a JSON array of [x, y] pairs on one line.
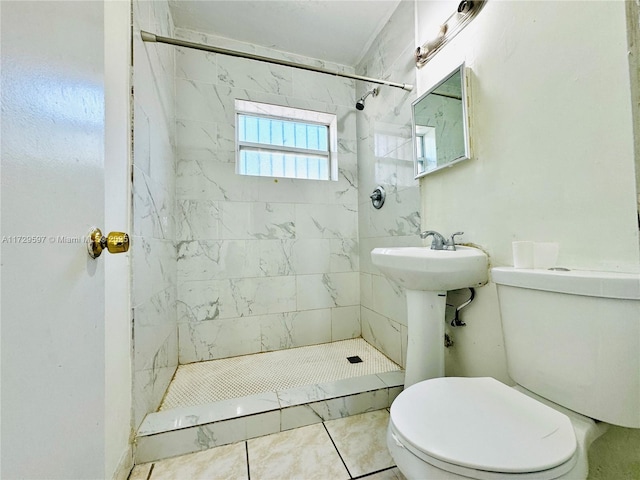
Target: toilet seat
[[482, 428]]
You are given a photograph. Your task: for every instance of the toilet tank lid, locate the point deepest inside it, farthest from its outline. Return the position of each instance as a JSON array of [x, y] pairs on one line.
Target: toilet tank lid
[[618, 285]]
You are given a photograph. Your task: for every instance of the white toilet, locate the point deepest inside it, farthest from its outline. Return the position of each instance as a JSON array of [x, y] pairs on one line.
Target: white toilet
[[573, 347]]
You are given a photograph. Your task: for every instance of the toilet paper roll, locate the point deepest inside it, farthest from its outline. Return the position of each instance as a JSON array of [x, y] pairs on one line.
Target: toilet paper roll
[[522, 254], [545, 254]]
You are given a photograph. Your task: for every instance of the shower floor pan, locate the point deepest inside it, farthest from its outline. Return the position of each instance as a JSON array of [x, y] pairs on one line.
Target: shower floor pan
[[224, 401]]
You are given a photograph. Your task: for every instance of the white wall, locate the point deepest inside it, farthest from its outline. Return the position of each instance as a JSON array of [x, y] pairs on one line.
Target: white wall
[[552, 146], [552, 132], [552, 141]]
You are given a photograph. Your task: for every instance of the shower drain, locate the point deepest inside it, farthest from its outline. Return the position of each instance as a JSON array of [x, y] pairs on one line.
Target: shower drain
[[354, 359]]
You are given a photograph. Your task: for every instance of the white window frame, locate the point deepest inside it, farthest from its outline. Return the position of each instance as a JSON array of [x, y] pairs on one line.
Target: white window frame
[[279, 112]]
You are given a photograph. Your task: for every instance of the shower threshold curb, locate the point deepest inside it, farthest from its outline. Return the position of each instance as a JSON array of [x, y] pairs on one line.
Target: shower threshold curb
[[178, 431]]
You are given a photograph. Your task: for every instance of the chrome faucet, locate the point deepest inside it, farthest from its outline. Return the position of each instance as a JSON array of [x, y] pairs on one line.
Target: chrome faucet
[[439, 242]]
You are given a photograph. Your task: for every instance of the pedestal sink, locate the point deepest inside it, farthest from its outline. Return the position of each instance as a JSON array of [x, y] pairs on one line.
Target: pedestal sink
[[427, 275]]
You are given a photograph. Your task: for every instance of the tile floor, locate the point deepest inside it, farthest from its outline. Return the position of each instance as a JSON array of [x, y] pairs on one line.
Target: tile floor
[[342, 449], [235, 377]]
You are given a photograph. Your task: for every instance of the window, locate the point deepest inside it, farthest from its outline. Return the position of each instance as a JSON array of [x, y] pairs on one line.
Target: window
[[275, 141], [426, 148]]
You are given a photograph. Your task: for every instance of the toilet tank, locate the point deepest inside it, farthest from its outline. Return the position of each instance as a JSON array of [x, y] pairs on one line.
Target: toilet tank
[[573, 337]]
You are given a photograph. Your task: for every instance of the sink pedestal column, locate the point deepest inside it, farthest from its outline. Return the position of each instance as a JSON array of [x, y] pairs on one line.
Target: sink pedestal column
[[425, 328]]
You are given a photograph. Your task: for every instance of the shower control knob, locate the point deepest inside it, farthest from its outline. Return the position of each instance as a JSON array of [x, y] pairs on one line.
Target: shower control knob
[[115, 242], [377, 197]]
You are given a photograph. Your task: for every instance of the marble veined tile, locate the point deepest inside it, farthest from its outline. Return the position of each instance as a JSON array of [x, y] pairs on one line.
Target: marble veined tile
[[203, 437], [345, 323], [197, 220], [383, 333], [214, 179], [311, 255], [223, 259], [301, 453], [392, 379], [183, 417], [202, 101], [258, 220], [196, 65], [263, 77], [333, 408], [295, 329], [389, 298], [327, 290], [326, 391], [207, 300], [201, 341], [361, 441], [344, 255], [224, 463], [197, 140], [326, 221]]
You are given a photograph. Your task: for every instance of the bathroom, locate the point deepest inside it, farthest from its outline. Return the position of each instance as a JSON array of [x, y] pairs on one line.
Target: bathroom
[[553, 160]]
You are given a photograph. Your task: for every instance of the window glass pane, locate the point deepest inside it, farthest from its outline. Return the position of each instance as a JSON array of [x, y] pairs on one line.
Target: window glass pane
[[282, 147], [288, 134], [277, 133], [271, 131], [251, 162], [267, 163], [250, 131], [264, 130], [312, 137], [323, 139]]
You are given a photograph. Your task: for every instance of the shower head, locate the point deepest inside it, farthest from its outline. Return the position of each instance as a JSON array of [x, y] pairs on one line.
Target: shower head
[[360, 103]]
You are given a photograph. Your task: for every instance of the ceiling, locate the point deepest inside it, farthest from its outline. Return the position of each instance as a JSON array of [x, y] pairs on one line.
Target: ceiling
[[339, 31]]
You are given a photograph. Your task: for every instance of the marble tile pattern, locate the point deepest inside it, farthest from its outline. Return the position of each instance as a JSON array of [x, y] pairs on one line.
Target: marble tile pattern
[[385, 158], [362, 441], [305, 451], [347, 448], [154, 285], [186, 430], [225, 463], [262, 263]]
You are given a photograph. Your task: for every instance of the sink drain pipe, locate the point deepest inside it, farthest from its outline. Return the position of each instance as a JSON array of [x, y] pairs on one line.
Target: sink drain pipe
[[456, 322]]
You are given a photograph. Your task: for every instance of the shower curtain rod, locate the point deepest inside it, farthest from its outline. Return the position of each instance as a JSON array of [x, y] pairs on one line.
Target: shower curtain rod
[[151, 37]]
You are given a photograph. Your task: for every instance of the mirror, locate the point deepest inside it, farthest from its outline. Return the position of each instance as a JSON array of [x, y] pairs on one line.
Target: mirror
[[440, 125]]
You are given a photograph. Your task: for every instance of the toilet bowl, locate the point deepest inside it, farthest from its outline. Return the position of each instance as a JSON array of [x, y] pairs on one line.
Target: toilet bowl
[[454, 428], [572, 342]]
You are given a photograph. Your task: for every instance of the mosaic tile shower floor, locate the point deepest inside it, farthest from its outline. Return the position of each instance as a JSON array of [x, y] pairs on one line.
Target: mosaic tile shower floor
[[215, 380]]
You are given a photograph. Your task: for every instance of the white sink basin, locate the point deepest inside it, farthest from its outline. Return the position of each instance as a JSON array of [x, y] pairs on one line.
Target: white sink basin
[[427, 275], [420, 268]]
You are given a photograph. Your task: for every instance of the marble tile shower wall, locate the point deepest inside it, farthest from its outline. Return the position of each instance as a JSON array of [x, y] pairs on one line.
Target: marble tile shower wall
[[155, 333], [262, 263], [385, 158]]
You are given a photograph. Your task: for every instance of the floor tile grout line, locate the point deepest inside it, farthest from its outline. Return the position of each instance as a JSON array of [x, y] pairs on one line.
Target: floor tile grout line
[[246, 449], [337, 451], [373, 473], [150, 471]]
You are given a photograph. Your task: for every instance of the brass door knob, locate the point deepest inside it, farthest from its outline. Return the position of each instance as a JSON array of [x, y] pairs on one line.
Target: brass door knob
[[115, 242]]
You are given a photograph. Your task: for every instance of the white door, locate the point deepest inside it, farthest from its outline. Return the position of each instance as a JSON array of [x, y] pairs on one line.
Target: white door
[[52, 299]]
